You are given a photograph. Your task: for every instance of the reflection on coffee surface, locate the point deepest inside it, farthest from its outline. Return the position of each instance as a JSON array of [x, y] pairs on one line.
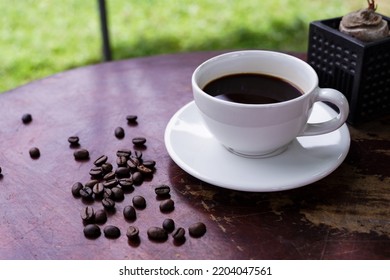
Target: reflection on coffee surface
[[251, 88]]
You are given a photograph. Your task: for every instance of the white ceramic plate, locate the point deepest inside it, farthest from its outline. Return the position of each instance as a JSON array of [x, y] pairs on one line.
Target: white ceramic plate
[[306, 160]]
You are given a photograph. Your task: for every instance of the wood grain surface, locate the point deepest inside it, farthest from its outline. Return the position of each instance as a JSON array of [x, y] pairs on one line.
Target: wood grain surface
[[343, 216]]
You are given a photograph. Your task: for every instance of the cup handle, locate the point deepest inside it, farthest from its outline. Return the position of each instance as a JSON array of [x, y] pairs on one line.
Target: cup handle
[[335, 97]]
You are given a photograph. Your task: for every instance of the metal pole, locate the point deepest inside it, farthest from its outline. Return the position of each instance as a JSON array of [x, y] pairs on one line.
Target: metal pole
[[104, 28]]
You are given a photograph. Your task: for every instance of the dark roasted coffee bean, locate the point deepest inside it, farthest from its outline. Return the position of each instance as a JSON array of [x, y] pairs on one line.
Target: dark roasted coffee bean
[[108, 203], [87, 214], [86, 192], [76, 187], [73, 140], [111, 231], [96, 172], [179, 234], [167, 205], [138, 178], [110, 183], [81, 154], [121, 161], [34, 153], [26, 118], [126, 182], [92, 231], [107, 167], [139, 202], [98, 190], [108, 193], [197, 229], [100, 216], [122, 172], [131, 119], [129, 213], [144, 170], [149, 164], [168, 225], [133, 163], [119, 132], [123, 153], [157, 234], [162, 191], [132, 232], [118, 194], [100, 160], [91, 183], [139, 141], [109, 176]]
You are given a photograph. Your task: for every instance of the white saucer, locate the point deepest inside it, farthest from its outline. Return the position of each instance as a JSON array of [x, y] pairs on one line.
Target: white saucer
[[306, 160]]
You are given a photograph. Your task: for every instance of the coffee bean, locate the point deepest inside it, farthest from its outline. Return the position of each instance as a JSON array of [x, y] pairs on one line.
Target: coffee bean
[[92, 231], [81, 154], [100, 216], [86, 192], [133, 163], [167, 205], [119, 132], [110, 183], [76, 187], [162, 191], [168, 225], [87, 214], [138, 178], [98, 190], [91, 183], [73, 140], [122, 172], [96, 172], [34, 153], [123, 153], [197, 229], [139, 202], [107, 167], [132, 232], [121, 161], [26, 118], [149, 164], [100, 160], [129, 213], [157, 234], [131, 119], [111, 231], [108, 193], [118, 194], [144, 170], [179, 234], [139, 141], [108, 203], [109, 176], [126, 183]]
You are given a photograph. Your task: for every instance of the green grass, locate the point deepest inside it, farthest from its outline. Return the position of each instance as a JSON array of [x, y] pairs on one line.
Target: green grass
[[40, 38]]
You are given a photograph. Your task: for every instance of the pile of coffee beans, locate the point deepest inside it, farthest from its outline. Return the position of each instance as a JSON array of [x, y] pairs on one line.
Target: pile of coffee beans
[[111, 181]]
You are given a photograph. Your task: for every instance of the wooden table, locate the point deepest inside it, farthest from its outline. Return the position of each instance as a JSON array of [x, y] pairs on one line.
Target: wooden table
[[343, 216]]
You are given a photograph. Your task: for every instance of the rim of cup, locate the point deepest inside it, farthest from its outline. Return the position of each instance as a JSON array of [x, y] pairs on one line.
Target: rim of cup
[[227, 55]]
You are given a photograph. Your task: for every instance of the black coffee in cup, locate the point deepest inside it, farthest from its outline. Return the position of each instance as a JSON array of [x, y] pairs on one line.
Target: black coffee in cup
[[252, 88]]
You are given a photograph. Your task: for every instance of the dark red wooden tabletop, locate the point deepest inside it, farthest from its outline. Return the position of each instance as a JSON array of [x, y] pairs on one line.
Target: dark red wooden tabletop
[[343, 216]]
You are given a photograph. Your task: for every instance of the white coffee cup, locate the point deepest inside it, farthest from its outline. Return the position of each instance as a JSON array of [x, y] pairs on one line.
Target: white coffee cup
[[263, 130]]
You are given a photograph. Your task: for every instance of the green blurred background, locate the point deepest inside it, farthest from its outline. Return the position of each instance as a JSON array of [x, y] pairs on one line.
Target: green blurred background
[[41, 37]]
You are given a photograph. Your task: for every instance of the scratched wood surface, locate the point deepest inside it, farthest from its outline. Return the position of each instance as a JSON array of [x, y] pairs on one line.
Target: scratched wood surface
[[343, 216]]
